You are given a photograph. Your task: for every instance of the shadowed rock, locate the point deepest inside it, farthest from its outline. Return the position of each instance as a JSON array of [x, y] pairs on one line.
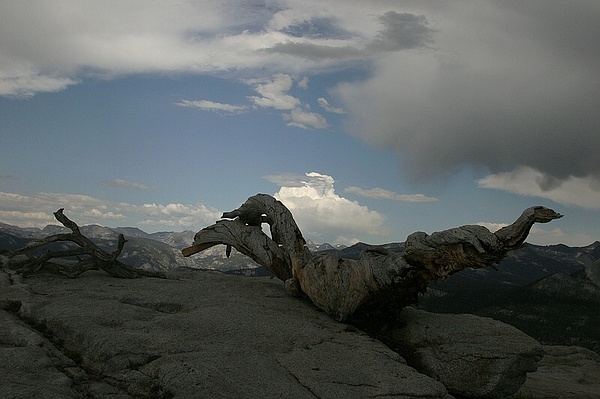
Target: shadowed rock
[[194, 335], [566, 372], [472, 356], [199, 335]]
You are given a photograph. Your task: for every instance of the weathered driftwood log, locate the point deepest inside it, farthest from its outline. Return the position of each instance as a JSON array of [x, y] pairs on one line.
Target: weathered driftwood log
[[371, 290], [24, 261]]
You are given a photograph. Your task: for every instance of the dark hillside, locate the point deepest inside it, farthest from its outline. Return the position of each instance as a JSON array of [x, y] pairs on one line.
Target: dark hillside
[[560, 309]]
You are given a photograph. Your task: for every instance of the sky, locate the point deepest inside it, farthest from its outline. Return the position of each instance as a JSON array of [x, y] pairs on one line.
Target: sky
[[369, 120]]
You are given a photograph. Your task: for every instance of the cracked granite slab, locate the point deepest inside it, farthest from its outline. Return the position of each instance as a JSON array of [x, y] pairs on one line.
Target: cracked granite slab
[[194, 335]]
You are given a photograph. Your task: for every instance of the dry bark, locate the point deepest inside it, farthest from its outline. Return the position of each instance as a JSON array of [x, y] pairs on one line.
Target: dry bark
[[24, 261], [373, 289]]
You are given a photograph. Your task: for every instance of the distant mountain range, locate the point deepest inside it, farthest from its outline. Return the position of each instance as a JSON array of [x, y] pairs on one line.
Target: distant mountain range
[[550, 292], [162, 251]]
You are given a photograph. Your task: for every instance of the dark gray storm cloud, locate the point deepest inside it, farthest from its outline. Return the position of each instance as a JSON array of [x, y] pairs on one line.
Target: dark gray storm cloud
[[316, 52], [402, 31], [568, 29], [317, 28], [505, 85]]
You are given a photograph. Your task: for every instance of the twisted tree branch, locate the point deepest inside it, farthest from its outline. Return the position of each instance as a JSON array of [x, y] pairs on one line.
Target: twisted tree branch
[[97, 257]]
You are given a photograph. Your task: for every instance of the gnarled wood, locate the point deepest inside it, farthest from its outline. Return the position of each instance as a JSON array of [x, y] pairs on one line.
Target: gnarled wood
[[281, 254], [247, 239], [372, 289], [27, 263], [446, 252]]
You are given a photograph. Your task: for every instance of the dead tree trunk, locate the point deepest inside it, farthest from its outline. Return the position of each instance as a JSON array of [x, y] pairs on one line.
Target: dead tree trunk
[[375, 287], [281, 254], [22, 260]]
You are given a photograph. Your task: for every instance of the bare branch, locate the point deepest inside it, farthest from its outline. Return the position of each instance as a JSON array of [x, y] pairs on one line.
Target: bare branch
[[98, 258]]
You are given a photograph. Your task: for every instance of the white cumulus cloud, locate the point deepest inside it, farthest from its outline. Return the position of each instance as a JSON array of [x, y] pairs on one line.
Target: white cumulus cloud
[[274, 93], [323, 215]]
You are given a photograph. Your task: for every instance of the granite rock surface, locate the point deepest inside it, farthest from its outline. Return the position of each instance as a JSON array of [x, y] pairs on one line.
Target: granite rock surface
[[194, 335], [472, 356], [205, 334]]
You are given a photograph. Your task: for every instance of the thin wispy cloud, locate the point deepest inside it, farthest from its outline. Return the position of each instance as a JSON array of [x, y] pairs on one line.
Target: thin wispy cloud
[[323, 103], [382, 194], [274, 93], [120, 183], [399, 31], [206, 105], [305, 119], [303, 83], [287, 179]]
